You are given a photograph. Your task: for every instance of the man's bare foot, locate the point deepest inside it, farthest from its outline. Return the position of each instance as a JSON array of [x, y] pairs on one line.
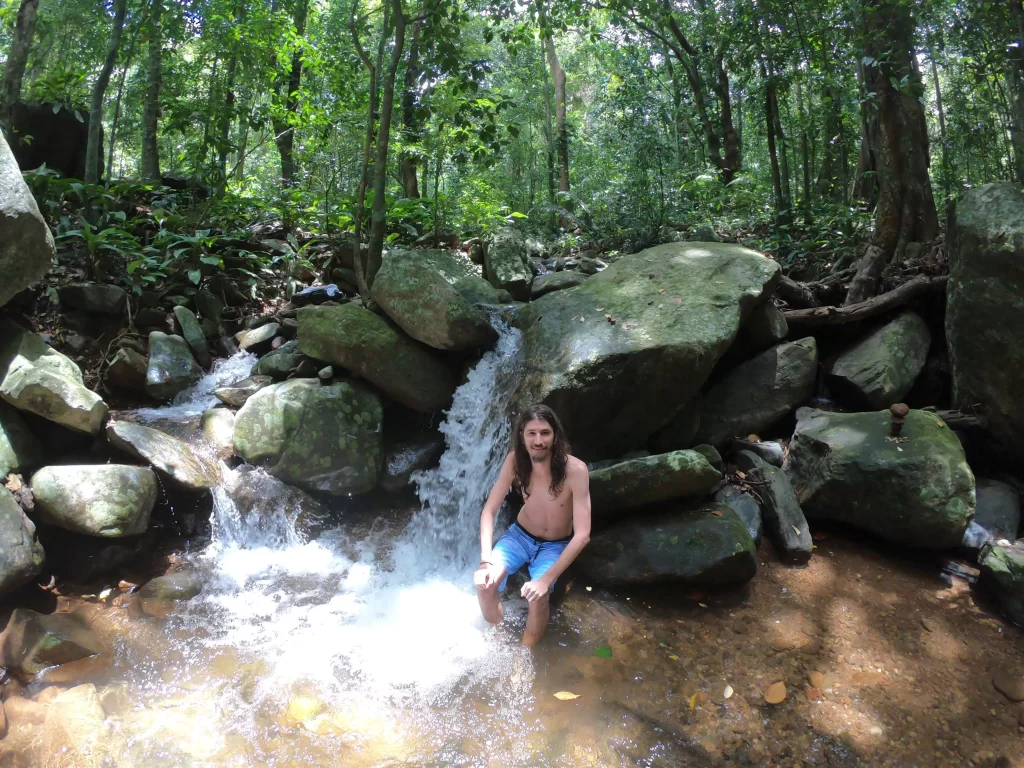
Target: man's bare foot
[[530, 639]]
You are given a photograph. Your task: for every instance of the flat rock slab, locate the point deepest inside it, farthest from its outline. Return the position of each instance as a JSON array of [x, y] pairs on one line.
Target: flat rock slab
[[171, 456], [34, 641]]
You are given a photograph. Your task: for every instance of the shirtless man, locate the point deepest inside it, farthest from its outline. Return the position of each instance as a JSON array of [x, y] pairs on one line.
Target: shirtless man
[[553, 526]]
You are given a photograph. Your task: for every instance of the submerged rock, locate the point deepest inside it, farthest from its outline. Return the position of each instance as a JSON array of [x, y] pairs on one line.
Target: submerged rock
[[706, 544], [427, 307], [880, 369], [997, 515], [320, 438], [76, 732], [218, 426], [21, 554], [618, 355], [650, 480], [172, 368], [169, 455], [96, 500], [916, 490], [157, 596], [985, 308], [34, 641], [758, 393], [366, 344]]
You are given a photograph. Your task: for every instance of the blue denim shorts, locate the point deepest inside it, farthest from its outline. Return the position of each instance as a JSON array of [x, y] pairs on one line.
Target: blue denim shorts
[[518, 547]]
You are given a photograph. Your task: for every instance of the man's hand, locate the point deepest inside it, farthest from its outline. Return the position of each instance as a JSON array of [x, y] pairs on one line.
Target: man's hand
[[485, 576], [535, 590]]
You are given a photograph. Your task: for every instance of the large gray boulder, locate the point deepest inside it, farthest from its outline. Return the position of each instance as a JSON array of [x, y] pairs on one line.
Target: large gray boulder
[[1002, 568], [26, 245], [21, 554], [681, 430], [110, 500], [428, 307], [765, 327], [476, 290], [19, 448], [507, 264], [880, 369], [619, 355], [706, 545], [556, 281], [985, 309], [40, 380], [450, 265], [650, 480], [280, 363], [172, 368], [756, 394], [320, 438], [34, 641], [366, 344], [916, 490], [218, 427], [168, 455], [127, 371]]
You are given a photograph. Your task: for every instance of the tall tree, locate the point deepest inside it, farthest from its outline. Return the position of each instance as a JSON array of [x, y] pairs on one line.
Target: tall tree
[[151, 106], [17, 58], [561, 131], [284, 124], [99, 90], [411, 127], [906, 208], [1015, 78]]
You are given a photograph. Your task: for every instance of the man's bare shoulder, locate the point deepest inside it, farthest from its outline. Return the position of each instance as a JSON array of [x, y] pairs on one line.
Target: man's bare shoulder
[[576, 467]]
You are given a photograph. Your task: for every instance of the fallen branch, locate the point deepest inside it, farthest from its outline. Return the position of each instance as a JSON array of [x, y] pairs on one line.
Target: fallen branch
[[960, 420], [796, 294], [879, 305]]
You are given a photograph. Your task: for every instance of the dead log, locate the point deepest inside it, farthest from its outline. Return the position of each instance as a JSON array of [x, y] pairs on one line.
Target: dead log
[[959, 419], [869, 272], [808, 318], [796, 294]]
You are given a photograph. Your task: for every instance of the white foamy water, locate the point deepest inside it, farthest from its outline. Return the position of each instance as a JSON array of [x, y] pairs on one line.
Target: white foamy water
[[199, 397]]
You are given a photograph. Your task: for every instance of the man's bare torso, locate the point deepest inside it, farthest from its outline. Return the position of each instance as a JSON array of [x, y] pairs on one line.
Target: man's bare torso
[[544, 516]]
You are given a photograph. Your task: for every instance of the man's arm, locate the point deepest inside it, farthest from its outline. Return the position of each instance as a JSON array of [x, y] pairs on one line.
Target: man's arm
[[491, 507], [579, 482]]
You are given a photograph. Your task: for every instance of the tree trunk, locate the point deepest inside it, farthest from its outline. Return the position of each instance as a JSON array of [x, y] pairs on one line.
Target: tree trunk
[[17, 58], [151, 107], [549, 137], [561, 132], [906, 208], [732, 162], [805, 155], [831, 184], [378, 215], [410, 119], [284, 127], [942, 127], [99, 90], [228, 113], [868, 161], [117, 104], [773, 152], [1015, 83]]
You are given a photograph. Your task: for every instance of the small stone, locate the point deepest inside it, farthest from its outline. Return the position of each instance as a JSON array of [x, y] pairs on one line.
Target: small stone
[[776, 693], [813, 694], [1011, 686], [817, 679]]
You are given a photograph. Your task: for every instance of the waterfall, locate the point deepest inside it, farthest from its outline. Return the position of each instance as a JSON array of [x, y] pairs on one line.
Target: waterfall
[[199, 397], [444, 537]]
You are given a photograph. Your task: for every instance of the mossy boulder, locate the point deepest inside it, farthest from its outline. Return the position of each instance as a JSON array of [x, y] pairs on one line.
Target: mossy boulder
[[650, 480], [112, 500], [193, 334], [556, 281], [880, 369], [19, 448], [1002, 568], [618, 356], [428, 307], [757, 393], [701, 545], [21, 554], [319, 438], [476, 290], [985, 309], [172, 368], [369, 346], [507, 264], [40, 380], [280, 363], [916, 489]]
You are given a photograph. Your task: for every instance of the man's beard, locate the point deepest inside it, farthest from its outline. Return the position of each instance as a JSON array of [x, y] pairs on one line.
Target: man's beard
[[539, 455]]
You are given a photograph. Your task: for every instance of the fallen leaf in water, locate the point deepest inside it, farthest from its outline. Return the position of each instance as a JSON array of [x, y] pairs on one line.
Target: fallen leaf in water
[[702, 605], [673, 657], [716, 512], [603, 651], [693, 702], [728, 692], [661, 290], [566, 696], [899, 449], [776, 693]]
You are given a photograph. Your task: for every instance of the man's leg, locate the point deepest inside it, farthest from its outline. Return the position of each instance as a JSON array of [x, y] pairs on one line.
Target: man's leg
[[490, 603], [537, 620]]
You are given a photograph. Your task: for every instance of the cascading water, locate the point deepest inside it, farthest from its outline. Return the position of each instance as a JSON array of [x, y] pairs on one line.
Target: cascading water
[[199, 397], [385, 635]]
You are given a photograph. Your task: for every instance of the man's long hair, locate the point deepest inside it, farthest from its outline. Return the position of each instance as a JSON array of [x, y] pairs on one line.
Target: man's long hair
[[559, 450]]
